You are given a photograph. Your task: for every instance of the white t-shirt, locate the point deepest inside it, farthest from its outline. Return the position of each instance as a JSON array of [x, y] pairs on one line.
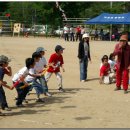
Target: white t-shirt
[[66, 29], [39, 66], [86, 49], [30, 78], [22, 72], [112, 64]]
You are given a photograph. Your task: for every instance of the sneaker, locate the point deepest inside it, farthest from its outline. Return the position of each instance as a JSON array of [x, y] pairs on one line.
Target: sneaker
[[25, 101], [7, 109], [117, 88], [2, 114], [125, 91], [48, 94], [20, 105], [61, 89], [83, 81], [40, 100]]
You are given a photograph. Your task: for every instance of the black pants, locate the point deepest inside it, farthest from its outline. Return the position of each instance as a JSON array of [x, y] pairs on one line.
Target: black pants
[[72, 37], [66, 36], [3, 98], [21, 93], [78, 35]]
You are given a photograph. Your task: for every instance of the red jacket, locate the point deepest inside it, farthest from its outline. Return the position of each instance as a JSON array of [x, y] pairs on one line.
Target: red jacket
[[126, 57]]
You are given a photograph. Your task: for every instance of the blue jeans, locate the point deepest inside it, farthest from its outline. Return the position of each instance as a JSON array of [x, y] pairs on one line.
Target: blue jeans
[[38, 87], [83, 68], [3, 101]]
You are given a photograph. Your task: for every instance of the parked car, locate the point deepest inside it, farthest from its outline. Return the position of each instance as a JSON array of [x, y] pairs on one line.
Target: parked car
[[38, 29], [59, 31]]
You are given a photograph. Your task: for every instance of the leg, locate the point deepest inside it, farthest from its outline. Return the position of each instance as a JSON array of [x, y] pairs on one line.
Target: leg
[[118, 79], [59, 79], [4, 101], [85, 67], [47, 76], [125, 79], [82, 70]]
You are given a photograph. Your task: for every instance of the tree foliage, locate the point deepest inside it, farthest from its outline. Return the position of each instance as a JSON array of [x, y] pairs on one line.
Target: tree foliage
[[47, 12]]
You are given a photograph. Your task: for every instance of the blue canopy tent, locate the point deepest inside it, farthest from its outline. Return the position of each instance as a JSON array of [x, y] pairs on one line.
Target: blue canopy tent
[[107, 18]]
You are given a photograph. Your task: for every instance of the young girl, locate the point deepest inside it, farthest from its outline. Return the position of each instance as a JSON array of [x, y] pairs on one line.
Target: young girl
[[112, 62], [104, 71]]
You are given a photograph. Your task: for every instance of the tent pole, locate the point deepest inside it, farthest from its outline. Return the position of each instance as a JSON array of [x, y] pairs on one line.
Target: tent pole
[[110, 31]]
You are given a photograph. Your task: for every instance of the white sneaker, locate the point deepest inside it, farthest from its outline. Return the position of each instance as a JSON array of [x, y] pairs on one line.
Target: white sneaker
[[48, 94], [82, 80]]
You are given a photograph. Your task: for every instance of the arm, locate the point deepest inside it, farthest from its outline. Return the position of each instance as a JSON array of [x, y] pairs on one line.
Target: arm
[[89, 52], [117, 50], [8, 71], [79, 50], [101, 79], [4, 83], [62, 68]]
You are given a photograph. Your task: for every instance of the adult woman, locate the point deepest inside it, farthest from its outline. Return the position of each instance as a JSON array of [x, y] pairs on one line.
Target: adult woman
[[84, 56]]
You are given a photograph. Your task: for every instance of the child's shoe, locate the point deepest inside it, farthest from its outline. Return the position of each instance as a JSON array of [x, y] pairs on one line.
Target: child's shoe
[[20, 105], [48, 94], [40, 100], [7, 109], [61, 89]]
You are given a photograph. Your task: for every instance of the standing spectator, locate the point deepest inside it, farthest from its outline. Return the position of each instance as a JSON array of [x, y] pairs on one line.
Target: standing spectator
[[72, 32], [84, 55], [66, 32], [78, 33], [122, 50], [96, 34], [82, 32], [101, 34], [57, 60]]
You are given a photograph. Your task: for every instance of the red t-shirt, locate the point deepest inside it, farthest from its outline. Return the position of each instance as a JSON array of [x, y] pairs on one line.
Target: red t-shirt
[[104, 70], [78, 29], [56, 59]]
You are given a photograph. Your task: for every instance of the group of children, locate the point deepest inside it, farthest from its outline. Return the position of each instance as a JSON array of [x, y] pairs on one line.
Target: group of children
[[35, 74], [108, 69]]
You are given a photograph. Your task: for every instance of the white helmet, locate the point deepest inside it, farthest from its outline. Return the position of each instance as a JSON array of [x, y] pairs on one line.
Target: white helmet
[[85, 35]]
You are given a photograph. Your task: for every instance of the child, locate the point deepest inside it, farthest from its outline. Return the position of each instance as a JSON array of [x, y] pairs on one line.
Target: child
[[19, 80], [57, 60], [112, 62], [38, 68], [41, 66], [4, 69], [104, 71], [35, 84]]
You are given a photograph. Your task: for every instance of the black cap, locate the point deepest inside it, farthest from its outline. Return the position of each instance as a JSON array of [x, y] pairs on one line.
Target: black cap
[[58, 48]]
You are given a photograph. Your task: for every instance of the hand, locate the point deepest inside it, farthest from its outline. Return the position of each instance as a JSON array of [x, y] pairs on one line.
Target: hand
[[4, 82], [63, 69], [80, 60], [121, 44], [11, 88], [90, 61], [100, 81]]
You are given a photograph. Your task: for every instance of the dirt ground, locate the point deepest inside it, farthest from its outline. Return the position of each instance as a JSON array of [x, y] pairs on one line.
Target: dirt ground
[[83, 105]]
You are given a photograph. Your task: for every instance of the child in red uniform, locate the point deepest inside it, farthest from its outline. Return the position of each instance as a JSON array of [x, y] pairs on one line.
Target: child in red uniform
[[57, 60]]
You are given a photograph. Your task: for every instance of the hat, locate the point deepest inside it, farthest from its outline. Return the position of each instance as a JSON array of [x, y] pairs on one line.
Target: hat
[[39, 49], [85, 35], [4, 59], [124, 38], [58, 48]]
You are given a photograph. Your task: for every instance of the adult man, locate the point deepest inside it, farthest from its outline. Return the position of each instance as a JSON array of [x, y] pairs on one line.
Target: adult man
[[122, 50]]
